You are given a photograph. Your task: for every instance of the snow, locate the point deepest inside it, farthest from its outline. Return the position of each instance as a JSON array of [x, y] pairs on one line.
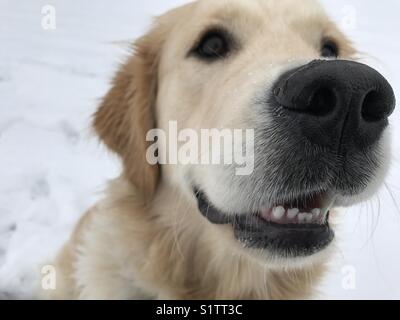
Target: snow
[[52, 168]]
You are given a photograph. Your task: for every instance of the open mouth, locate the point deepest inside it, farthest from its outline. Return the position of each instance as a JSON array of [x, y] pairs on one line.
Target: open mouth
[[299, 227]]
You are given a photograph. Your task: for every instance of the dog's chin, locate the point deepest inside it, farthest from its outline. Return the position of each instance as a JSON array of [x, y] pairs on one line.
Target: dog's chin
[[289, 233]]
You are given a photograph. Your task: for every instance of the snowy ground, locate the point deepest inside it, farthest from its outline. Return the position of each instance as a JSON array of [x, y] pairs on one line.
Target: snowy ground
[[52, 168]]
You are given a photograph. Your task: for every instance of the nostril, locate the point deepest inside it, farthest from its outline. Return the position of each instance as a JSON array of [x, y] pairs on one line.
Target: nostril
[[322, 102], [373, 107]]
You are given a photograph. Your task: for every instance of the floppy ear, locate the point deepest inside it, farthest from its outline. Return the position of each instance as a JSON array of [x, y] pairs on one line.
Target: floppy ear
[[126, 113]]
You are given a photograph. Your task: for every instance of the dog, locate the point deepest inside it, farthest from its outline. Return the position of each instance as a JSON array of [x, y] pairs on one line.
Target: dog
[[202, 231]]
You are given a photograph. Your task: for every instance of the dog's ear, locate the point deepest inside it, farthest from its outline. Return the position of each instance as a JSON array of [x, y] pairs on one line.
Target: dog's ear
[[126, 113]]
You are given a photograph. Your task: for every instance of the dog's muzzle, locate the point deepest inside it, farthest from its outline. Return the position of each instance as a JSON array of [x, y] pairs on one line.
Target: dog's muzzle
[[325, 123]]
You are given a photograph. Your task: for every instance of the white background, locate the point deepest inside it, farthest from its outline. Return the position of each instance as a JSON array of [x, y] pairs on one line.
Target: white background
[[52, 168]]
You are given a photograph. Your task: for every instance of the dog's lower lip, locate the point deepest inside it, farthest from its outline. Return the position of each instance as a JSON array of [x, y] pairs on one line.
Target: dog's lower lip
[[289, 240], [281, 236]]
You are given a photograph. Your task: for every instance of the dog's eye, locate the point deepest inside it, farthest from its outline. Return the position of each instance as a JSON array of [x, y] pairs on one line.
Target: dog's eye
[[213, 45], [329, 49]]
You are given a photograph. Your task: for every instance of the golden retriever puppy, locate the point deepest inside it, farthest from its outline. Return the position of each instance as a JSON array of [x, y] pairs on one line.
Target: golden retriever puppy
[[315, 131]]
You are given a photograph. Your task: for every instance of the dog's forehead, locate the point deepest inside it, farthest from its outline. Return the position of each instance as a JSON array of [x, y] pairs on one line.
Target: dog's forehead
[[257, 9], [246, 15]]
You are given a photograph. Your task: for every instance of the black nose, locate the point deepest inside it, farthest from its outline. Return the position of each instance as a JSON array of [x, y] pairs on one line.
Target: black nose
[[336, 102]]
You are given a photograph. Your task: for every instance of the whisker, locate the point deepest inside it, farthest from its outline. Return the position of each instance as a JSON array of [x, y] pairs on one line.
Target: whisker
[[392, 197]]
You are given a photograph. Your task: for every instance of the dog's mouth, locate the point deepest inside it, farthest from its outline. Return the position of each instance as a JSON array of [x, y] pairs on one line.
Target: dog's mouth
[[295, 228]]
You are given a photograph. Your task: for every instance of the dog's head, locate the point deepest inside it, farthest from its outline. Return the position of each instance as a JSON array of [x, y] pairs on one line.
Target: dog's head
[[279, 68]]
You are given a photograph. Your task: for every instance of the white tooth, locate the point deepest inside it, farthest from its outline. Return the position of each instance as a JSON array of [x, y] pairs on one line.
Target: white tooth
[[292, 213], [278, 213], [309, 217], [316, 212], [302, 216]]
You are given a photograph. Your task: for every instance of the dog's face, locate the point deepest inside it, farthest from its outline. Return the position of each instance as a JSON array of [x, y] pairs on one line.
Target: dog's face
[[282, 69]]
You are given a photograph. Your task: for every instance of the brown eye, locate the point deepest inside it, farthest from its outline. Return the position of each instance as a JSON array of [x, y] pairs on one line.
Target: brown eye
[[329, 49], [213, 45]]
